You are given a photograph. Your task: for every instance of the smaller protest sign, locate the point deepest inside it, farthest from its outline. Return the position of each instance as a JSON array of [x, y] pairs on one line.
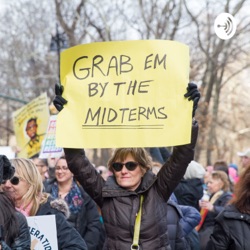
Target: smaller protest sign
[[43, 232], [30, 124], [49, 148]]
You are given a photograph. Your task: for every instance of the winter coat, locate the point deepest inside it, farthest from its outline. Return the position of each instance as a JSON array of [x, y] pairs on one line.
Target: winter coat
[[120, 206], [190, 218], [22, 242], [208, 225], [189, 192], [175, 230], [231, 231], [87, 221], [67, 236]]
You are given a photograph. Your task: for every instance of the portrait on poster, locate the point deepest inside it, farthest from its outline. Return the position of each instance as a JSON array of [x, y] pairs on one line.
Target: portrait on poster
[[30, 124]]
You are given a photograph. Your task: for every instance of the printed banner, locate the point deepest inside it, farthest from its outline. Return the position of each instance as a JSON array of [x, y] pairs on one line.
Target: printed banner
[[30, 124], [43, 232], [125, 94]]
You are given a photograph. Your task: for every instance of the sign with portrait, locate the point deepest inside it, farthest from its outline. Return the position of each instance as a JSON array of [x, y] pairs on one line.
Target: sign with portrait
[[30, 125], [43, 232], [125, 94]]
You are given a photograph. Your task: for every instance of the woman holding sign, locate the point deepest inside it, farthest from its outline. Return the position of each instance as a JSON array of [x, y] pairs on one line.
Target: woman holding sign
[[26, 187], [133, 200]]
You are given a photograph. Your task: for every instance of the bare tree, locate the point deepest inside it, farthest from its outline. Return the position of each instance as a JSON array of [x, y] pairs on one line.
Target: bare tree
[[219, 68], [24, 67], [29, 68]]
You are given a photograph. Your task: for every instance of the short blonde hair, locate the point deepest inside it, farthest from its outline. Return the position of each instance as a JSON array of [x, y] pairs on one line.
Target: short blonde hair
[[27, 170], [139, 154], [223, 177]]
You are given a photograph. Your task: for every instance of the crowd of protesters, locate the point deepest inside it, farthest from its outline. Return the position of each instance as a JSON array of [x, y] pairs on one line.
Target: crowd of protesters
[[208, 209], [180, 204]]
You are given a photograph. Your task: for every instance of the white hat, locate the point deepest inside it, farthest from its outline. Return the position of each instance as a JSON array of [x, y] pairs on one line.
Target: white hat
[[245, 153], [194, 170]]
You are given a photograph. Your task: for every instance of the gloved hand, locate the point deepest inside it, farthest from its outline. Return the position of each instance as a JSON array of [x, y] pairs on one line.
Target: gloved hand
[[194, 95], [6, 169], [59, 101]]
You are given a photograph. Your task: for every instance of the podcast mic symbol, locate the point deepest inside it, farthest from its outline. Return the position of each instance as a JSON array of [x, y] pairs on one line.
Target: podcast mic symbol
[[228, 26], [225, 26]]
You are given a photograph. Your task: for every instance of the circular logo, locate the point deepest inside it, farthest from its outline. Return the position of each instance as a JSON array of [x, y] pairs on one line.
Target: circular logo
[[225, 26]]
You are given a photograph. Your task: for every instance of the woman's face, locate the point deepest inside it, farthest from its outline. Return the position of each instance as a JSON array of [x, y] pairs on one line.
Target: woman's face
[[42, 168], [214, 185], [128, 179], [62, 172], [16, 191]]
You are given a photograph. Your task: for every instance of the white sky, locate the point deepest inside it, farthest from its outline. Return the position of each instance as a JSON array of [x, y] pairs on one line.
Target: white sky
[[3, 4]]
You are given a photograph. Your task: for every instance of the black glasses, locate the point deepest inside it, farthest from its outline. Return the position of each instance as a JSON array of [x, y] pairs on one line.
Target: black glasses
[[63, 168], [14, 180], [130, 165]]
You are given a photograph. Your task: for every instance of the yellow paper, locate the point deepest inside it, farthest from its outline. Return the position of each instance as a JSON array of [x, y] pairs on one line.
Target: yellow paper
[[30, 125], [125, 94]]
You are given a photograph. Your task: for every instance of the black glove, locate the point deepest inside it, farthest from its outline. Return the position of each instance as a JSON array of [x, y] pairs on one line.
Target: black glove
[[6, 170], [194, 95], [59, 101]]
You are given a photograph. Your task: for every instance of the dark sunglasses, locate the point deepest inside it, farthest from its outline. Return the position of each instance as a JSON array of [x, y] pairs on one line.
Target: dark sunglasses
[[14, 180], [130, 165]]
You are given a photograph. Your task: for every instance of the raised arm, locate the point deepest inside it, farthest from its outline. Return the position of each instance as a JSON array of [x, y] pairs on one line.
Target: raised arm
[[174, 168]]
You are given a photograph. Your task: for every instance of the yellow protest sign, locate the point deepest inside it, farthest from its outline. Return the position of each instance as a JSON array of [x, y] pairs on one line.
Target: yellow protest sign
[[30, 125], [125, 94]]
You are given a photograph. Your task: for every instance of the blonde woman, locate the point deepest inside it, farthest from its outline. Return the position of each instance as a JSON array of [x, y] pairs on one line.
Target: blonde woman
[[25, 187], [218, 187]]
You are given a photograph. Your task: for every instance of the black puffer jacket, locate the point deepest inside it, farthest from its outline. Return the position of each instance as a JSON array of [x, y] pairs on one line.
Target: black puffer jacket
[[231, 231], [120, 206], [22, 242], [67, 236], [175, 231]]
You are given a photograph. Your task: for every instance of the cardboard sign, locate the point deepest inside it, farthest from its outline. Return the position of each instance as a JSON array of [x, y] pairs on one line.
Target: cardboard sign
[[43, 232], [49, 148], [30, 124], [125, 94]]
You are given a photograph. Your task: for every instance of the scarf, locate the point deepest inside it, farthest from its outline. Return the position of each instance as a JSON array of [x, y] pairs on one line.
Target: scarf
[[74, 198], [25, 210], [204, 211]]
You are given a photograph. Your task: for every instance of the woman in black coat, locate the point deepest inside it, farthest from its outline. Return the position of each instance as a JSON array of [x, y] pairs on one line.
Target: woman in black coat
[[120, 197], [232, 226], [14, 228]]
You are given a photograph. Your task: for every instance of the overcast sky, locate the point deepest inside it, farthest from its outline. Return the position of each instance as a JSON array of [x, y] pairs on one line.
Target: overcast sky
[[2, 5]]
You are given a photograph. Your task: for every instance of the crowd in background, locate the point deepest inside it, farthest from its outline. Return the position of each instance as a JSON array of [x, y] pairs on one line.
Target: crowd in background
[[209, 208]]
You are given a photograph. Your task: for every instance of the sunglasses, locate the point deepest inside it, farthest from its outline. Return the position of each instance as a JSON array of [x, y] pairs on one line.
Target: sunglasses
[[130, 165], [14, 180]]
